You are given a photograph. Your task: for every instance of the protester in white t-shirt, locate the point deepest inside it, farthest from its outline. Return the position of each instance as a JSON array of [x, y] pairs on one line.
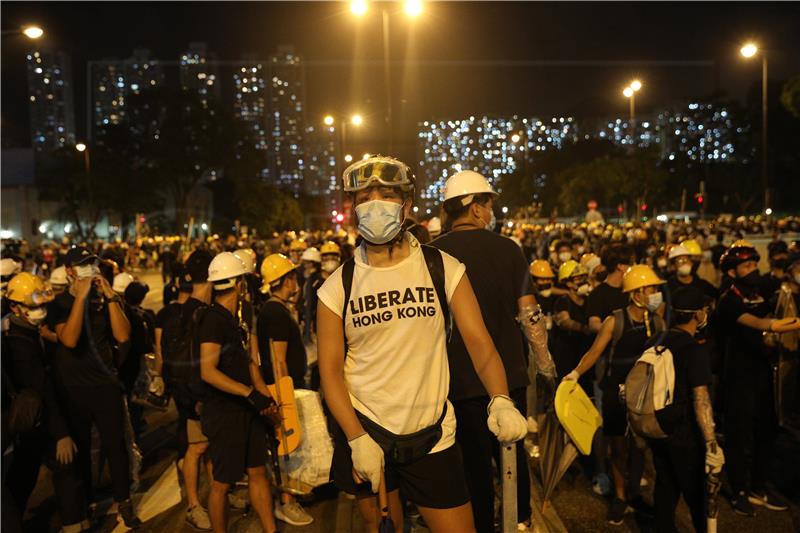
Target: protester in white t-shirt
[[395, 372]]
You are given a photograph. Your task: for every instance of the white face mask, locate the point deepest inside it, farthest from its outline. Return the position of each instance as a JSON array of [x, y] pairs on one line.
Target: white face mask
[[330, 265], [379, 221], [86, 271], [654, 301], [685, 269], [35, 315], [546, 293], [584, 289], [564, 257]]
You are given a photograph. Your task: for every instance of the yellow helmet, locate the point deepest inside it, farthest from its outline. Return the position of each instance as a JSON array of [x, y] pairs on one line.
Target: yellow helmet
[[639, 276], [693, 246], [274, 267], [330, 248], [571, 269], [741, 243], [28, 290], [298, 245], [541, 269]]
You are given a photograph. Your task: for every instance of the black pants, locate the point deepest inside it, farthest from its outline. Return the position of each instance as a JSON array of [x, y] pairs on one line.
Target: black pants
[[478, 446], [679, 464], [102, 405], [750, 429], [31, 451]]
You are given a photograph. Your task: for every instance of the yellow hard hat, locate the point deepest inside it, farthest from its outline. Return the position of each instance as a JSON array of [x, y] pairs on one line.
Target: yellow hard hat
[[330, 248], [639, 276], [28, 290], [298, 245], [741, 243], [274, 267], [693, 246], [571, 269], [617, 235], [577, 415], [541, 269]]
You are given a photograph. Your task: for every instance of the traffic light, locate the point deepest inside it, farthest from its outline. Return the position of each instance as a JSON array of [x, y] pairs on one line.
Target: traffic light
[[699, 197]]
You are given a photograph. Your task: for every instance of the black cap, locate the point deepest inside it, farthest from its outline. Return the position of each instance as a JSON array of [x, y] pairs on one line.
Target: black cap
[[197, 266], [77, 255], [135, 292], [688, 299]]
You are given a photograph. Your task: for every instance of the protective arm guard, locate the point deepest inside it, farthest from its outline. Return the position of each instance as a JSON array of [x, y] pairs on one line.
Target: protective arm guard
[[533, 324]]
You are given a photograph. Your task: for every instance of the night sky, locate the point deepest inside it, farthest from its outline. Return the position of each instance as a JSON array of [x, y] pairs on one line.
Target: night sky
[[457, 59]]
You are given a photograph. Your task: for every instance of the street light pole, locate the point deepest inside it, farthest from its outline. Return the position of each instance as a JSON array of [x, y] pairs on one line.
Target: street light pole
[[387, 74], [764, 93]]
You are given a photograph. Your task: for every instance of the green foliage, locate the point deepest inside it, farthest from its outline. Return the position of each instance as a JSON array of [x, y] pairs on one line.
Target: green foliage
[[266, 208], [790, 96]]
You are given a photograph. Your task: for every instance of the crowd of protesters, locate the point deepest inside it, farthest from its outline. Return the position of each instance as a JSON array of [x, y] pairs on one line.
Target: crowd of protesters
[[81, 350]]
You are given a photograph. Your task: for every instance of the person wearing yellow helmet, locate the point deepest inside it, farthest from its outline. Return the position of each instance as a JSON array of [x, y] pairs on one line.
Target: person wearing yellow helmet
[[684, 273], [296, 249], [750, 420], [695, 253], [572, 336], [622, 338], [38, 427], [608, 295]]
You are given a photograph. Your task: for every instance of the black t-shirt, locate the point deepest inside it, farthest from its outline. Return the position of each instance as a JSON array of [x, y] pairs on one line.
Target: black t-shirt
[[89, 363], [744, 345], [692, 364], [604, 300], [499, 276], [569, 346], [629, 348], [276, 323], [218, 326], [709, 291]]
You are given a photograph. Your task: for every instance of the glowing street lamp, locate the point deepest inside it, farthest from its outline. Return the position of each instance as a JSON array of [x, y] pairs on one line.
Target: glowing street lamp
[[357, 119], [328, 120], [636, 85], [80, 147], [32, 32], [629, 92], [358, 7], [413, 7], [748, 51]]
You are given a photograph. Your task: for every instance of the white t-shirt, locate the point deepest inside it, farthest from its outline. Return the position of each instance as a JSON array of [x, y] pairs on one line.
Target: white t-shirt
[[396, 368]]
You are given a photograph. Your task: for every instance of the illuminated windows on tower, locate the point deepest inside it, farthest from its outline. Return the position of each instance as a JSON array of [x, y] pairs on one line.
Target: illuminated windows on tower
[[52, 110]]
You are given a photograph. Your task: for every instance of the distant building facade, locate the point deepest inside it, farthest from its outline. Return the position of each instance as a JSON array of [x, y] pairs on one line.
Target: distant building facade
[[51, 102]]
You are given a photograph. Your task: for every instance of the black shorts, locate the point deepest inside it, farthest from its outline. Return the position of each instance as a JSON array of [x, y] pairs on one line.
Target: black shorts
[[436, 481], [615, 413], [236, 441]]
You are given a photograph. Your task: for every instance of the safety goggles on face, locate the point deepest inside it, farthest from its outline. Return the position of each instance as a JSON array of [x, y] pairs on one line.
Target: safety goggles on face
[[385, 171], [42, 296]]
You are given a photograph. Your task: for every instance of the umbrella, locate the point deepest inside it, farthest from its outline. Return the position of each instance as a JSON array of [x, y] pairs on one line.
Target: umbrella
[[556, 453], [387, 524]]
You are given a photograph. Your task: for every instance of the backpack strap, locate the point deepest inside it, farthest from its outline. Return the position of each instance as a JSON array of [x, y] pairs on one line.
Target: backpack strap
[[435, 263], [348, 268], [616, 335]]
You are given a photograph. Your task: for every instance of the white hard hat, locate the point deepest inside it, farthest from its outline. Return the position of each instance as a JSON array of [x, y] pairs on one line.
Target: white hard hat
[[678, 251], [121, 282], [466, 182], [248, 257], [225, 266], [9, 267], [435, 226], [311, 254], [59, 276]]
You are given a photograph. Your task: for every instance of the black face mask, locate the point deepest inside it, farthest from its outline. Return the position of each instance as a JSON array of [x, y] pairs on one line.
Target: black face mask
[[601, 276], [780, 263], [751, 280]]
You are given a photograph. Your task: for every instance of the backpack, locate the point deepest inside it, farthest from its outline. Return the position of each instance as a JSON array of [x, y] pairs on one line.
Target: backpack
[[619, 329], [650, 389], [182, 354]]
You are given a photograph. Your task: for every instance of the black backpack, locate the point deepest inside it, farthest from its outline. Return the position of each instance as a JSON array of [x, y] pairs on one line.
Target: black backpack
[[180, 353]]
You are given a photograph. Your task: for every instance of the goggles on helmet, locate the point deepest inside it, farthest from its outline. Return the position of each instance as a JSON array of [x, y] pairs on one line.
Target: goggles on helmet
[[386, 171], [42, 296]]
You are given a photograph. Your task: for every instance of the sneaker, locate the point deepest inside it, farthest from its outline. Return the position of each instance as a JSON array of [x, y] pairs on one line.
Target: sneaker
[[127, 514], [237, 499], [768, 499], [741, 505], [616, 512], [526, 526], [293, 514], [197, 517], [601, 484]]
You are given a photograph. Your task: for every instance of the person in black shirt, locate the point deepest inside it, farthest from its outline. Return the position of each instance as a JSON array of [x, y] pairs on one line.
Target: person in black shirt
[[778, 262], [499, 275], [690, 445], [89, 320], [277, 327], [25, 368], [141, 342], [750, 418], [572, 335], [681, 260], [237, 400], [608, 296], [625, 344]]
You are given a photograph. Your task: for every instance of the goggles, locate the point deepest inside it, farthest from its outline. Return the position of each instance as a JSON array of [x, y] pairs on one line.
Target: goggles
[[386, 171], [42, 296]]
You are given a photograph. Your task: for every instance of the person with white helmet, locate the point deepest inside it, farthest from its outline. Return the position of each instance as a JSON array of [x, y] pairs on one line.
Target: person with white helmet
[[277, 337], [435, 227], [623, 337], [684, 276], [388, 390], [498, 273], [234, 410], [121, 282], [58, 280]]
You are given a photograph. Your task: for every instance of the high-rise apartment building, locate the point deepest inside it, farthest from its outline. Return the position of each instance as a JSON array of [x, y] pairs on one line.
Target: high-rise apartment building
[[198, 72], [286, 92], [52, 109]]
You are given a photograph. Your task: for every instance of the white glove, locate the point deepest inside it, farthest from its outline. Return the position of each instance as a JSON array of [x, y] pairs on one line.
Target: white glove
[[156, 385], [714, 458], [367, 459], [505, 421], [572, 376]]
